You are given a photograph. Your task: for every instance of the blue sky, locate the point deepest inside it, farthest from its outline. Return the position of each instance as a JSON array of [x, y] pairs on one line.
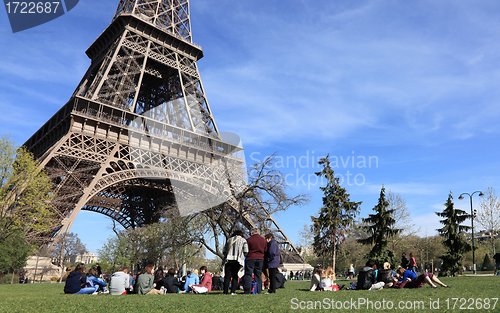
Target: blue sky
[[411, 84]]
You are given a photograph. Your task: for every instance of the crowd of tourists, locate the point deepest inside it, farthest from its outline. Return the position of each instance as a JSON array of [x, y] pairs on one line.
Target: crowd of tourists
[[372, 278], [249, 264], [300, 275]]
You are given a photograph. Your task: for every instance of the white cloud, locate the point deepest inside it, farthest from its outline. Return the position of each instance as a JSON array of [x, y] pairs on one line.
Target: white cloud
[[355, 74]]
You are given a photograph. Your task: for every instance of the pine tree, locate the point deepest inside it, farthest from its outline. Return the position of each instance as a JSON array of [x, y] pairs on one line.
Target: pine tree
[[380, 228], [487, 264], [452, 238], [335, 216]]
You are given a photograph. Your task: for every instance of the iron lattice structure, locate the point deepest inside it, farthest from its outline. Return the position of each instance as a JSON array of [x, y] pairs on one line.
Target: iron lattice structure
[[138, 135]]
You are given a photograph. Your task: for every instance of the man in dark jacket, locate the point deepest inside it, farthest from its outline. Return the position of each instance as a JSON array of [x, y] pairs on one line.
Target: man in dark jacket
[[254, 261], [404, 261], [272, 261], [367, 278]]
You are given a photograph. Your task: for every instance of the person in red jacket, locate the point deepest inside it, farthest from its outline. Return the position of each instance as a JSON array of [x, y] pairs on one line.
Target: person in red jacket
[[206, 283], [413, 264], [254, 261]]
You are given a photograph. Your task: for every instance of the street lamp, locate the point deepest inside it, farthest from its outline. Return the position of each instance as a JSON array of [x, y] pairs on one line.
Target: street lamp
[[472, 215]]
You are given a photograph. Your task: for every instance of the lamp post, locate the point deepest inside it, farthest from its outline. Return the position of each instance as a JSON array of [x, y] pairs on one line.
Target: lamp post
[[472, 214]]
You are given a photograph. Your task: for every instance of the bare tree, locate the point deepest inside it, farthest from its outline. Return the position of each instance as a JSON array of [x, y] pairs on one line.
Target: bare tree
[[401, 214], [306, 236], [402, 217], [265, 194], [45, 269], [488, 214], [72, 247]]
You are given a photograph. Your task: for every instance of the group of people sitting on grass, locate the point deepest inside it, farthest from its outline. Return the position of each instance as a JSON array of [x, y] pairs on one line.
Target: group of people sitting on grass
[[81, 282], [371, 278], [148, 282]]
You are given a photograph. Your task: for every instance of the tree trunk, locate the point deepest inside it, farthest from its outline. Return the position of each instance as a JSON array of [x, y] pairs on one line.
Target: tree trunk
[[12, 280], [493, 242], [62, 256], [334, 255], [36, 266]]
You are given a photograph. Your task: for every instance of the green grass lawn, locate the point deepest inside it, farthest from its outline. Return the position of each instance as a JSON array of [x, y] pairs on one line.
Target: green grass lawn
[[50, 298]]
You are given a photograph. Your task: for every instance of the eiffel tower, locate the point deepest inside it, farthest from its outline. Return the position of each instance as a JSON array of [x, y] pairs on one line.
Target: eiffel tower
[[138, 133]]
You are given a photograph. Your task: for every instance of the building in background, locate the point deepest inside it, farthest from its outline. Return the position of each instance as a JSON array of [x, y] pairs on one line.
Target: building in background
[[87, 258]]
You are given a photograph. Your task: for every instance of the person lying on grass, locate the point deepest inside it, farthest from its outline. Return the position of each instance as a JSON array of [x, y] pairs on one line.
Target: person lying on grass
[[408, 279]]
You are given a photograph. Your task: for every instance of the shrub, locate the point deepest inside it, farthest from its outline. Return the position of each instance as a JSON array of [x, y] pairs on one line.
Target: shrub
[[487, 264], [7, 278]]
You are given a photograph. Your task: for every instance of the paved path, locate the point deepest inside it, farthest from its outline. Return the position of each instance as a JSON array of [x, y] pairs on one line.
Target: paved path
[[478, 275]]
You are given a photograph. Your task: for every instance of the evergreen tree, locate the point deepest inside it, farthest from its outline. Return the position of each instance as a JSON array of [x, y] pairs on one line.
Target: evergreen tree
[[335, 216], [452, 238], [487, 264], [380, 229]]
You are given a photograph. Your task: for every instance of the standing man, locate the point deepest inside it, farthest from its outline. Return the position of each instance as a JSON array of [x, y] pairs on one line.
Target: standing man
[[404, 261], [257, 246], [99, 271], [272, 261]]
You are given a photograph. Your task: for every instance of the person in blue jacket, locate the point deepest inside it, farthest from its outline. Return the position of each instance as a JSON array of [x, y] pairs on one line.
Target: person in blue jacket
[[94, 281], [75, 283], [191, 279], [272, 261]]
